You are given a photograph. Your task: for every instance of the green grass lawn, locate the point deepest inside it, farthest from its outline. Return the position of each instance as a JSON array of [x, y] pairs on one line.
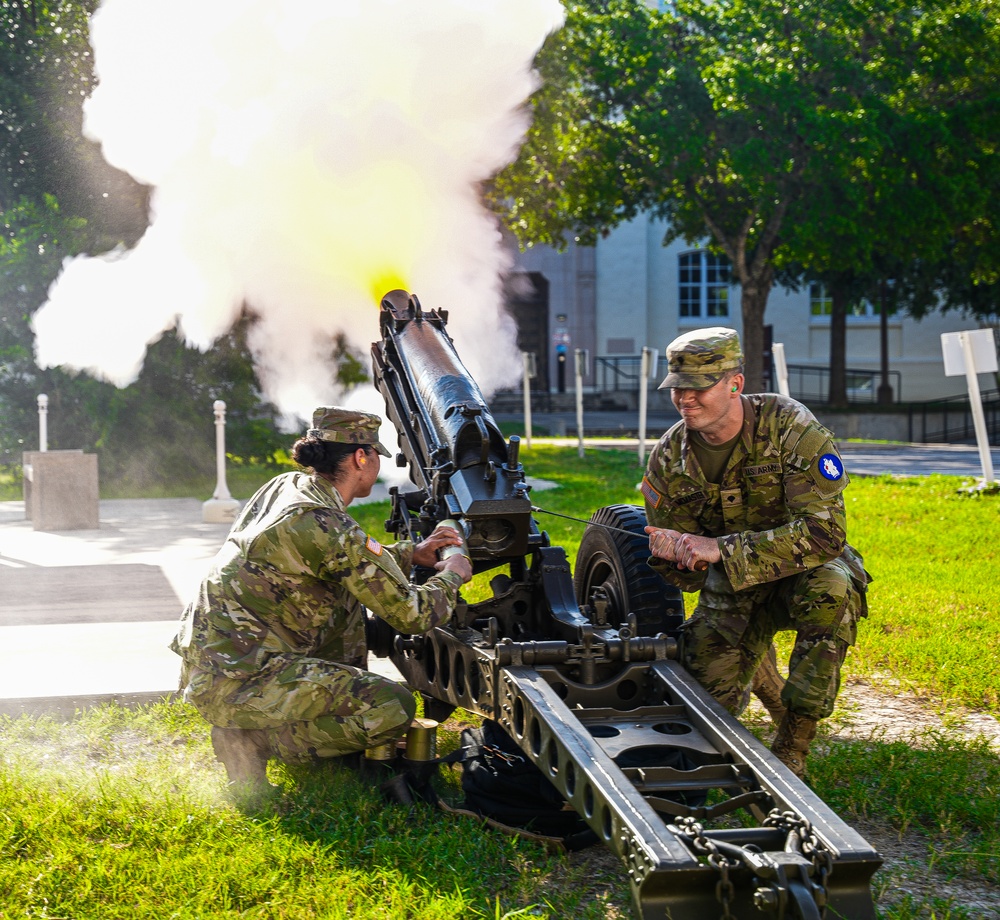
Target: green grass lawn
[[124, 814]]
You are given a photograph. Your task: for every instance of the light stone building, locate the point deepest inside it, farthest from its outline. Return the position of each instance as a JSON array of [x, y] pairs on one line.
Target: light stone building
[[631, 291]]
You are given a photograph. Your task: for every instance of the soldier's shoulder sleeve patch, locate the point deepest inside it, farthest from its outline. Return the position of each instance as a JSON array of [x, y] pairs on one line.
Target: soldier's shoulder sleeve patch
[[803, 445], [373, 546], [650, 494], [830, 467]]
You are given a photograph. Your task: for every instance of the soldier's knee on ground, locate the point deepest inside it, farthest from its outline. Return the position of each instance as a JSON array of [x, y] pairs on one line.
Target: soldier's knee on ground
[[717, 665], [814, 674]]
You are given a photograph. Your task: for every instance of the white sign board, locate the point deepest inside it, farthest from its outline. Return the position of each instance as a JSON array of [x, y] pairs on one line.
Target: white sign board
[[984, 352], [973, 352]]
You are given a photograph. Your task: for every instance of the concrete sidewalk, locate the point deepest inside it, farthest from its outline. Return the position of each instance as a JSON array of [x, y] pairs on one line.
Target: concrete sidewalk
[[86, 615]]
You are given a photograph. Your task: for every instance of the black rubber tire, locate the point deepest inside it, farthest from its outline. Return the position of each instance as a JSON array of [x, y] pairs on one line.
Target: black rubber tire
[[616, 562]]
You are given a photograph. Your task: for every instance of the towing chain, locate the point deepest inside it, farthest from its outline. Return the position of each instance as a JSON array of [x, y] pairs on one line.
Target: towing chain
[[801, 838], [811, 847], [703, 846]]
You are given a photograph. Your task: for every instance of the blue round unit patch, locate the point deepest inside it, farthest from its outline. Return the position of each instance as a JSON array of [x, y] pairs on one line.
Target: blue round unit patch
[[831, 467]]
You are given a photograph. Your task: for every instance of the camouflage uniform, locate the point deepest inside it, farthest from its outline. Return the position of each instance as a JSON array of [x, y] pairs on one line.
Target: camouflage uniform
[[779, 515], [275, 639]]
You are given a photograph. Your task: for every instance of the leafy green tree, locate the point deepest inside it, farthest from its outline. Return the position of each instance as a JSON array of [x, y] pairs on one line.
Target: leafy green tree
[[46, 73], [174, 393], [59, 198], [909, 225], [732, 119], [35, 239], [162, 428]]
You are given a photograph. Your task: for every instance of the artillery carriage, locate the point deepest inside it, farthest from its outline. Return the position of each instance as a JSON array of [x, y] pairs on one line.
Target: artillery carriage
[[582, 672]]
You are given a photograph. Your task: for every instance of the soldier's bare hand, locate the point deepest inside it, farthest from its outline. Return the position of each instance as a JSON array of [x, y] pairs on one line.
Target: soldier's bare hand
[[686, 550], [426, 551], [696, 553], [459, 564], [663, 543]]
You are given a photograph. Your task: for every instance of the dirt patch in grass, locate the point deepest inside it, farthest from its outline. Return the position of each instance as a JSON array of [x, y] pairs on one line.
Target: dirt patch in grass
[[879, 710], [906, 876]]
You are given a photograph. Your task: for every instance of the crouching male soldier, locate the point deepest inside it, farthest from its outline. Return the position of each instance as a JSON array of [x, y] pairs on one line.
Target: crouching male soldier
[[743, 498], [273, 646]]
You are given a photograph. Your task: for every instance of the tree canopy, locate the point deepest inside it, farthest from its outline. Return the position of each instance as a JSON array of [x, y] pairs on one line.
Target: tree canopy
[[59, 198], [792, 136], [46, 73]]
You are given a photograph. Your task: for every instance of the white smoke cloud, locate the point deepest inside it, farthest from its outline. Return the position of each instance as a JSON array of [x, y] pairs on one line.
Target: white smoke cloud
[[306, 159]]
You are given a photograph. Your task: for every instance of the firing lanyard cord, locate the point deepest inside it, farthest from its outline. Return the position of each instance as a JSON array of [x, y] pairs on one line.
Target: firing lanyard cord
[[628, 533]]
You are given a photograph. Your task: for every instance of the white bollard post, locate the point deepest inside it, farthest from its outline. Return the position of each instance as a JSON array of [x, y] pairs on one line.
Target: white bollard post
[[43, 422], [528, 364], [973, 352], [582, 358], [221, 508], [646, 370], [221, 488], [780, 368]]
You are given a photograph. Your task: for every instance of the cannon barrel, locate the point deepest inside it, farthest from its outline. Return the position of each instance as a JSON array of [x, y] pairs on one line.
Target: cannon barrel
[[457, 457]]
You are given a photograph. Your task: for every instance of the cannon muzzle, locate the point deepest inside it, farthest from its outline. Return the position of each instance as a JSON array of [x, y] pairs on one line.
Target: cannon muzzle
[[458, 460]]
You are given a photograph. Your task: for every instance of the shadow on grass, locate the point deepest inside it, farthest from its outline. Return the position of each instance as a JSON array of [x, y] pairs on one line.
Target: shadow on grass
[[422, 848]]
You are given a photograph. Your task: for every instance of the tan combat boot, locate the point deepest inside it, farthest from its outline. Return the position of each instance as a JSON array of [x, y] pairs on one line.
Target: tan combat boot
[[244, 753], [767, 686], [791, 744]]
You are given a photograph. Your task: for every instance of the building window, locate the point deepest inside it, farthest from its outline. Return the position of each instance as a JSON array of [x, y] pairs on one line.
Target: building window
[[703, 285], [821, 304]]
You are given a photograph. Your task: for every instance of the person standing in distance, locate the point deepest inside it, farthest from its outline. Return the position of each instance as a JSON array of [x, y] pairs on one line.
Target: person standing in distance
[[273, 646], [744, 504]]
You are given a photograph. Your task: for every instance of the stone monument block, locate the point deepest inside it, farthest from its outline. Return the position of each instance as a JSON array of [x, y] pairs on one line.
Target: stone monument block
[[60, 490]]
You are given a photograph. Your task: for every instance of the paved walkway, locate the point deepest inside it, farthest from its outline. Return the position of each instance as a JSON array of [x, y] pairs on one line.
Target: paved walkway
[[86, 615]]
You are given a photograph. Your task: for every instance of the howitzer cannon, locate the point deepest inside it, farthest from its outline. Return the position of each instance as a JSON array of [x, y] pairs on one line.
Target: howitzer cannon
[[581, 669]]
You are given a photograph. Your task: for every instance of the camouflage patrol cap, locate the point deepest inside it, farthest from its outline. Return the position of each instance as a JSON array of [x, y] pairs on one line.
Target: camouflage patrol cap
[[699, 359], [345, 426]]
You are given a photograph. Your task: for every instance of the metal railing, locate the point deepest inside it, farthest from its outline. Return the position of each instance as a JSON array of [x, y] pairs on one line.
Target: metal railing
[[949, 420], [617, 374], [807, 383]]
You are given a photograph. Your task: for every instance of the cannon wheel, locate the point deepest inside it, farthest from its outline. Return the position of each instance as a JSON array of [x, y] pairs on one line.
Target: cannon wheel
[[616, 563]]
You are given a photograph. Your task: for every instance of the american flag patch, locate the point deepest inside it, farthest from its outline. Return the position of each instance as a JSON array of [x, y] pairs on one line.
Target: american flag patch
[[373, 546], [650, 494]]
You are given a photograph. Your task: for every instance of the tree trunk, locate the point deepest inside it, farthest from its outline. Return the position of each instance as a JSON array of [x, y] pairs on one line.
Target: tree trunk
[[754, 272], [753, 302], [837, 395]]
